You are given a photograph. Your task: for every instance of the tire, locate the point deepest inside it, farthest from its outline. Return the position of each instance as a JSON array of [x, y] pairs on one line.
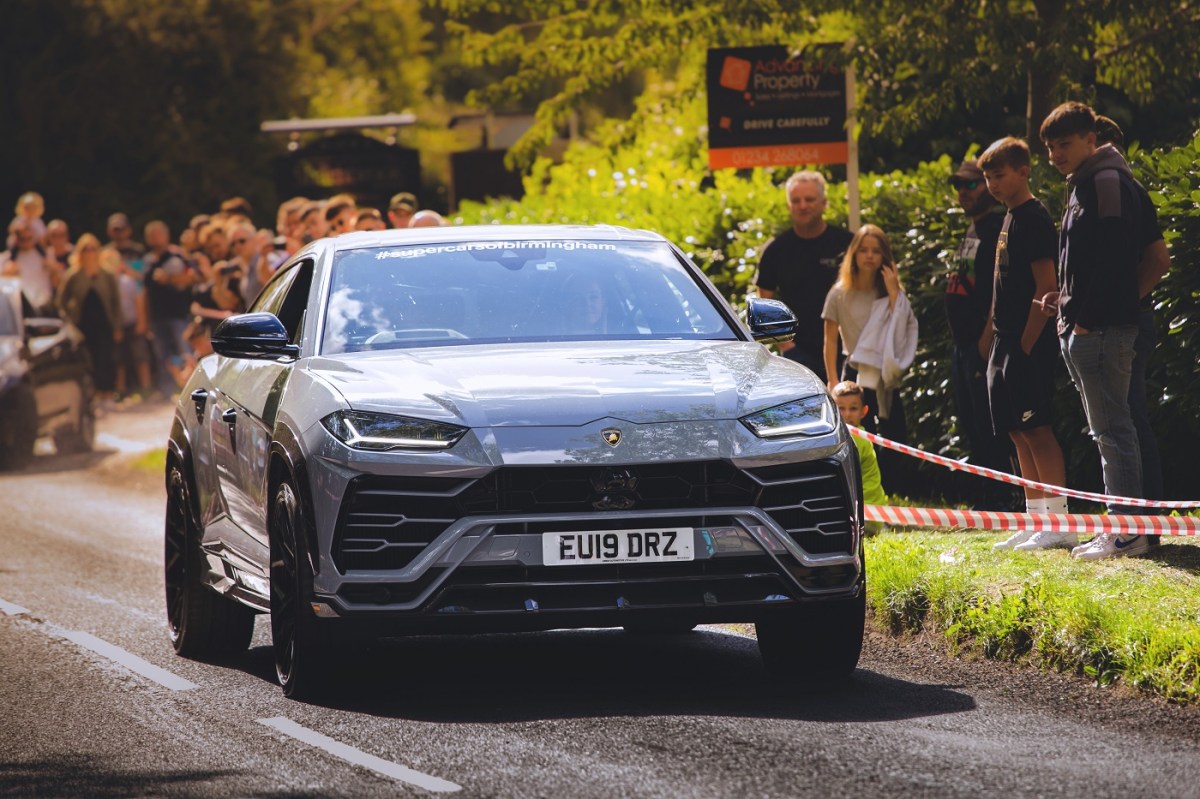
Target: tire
[[83, 437], [815, 644], [301, 646], [18, 428], [202, 624]]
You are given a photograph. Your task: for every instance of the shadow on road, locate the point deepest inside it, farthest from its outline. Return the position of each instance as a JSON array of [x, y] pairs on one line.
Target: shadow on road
[[601, 673], [72, 776]]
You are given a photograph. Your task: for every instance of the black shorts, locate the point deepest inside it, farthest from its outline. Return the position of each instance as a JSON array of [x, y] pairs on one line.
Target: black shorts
[[1020, 386]]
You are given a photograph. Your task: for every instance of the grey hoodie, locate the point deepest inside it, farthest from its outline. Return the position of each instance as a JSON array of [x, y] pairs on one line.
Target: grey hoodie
[[1100, 244]]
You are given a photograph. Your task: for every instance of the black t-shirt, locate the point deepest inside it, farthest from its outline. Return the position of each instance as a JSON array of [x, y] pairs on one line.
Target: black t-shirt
[[1027, 235], [969, 286], [801, 272], [164, 301]]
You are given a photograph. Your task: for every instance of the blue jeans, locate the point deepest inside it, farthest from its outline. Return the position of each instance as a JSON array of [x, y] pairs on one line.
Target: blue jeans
[[168, 343], [1100, 362]]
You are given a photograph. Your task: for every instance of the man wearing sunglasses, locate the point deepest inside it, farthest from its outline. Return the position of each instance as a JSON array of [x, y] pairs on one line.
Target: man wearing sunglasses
[[169, 280], [968, 307]]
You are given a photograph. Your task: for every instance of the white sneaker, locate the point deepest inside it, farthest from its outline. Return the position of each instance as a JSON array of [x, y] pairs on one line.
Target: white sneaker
[[1019, 537], [1111, 545], [1044, 539]]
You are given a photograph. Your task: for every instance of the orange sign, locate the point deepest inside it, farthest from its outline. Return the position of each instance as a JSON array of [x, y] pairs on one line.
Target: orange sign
[[770, 107]]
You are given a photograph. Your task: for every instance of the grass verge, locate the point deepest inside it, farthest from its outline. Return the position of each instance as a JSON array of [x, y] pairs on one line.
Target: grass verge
[[1132, 620], [154, 461]]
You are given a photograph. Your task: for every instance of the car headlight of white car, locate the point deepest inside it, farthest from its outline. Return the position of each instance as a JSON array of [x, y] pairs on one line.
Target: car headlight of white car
[[379, 432], [811, 416]]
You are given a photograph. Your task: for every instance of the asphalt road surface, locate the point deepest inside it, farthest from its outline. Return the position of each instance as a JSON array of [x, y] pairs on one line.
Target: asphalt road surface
[[94, 703]]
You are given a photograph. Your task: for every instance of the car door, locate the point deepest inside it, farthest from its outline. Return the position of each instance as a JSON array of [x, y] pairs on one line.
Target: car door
[[248, 397]]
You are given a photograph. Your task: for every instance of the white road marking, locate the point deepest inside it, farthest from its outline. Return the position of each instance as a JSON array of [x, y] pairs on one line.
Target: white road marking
[[9, 609], [121, 657], [359, 758]]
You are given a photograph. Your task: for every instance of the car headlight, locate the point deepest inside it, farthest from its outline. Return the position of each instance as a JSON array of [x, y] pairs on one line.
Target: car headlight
[[380, 432], [811, 416]]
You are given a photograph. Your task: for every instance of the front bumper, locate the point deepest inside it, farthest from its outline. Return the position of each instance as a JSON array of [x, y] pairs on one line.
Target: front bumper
[[744, 565]]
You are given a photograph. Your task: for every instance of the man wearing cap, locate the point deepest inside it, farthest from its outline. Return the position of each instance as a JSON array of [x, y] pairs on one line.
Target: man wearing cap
[[968, 301], [401, 209]]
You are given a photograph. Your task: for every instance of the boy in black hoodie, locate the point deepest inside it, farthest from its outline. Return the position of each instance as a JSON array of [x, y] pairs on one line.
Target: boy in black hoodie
[[1099, 248]]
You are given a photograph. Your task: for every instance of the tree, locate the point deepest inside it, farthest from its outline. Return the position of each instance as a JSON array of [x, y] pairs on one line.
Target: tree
[[918, 64], [920, 61], [153, 106]]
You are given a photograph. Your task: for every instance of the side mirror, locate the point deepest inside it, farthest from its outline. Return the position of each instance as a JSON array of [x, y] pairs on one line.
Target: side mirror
[[259, 336], [770, 320]]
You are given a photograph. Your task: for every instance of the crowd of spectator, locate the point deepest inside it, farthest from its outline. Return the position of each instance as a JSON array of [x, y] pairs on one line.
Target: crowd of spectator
[[146, 308], [1025, 299]]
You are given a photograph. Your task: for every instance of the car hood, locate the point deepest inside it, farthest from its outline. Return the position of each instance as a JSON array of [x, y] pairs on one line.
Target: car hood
[[520, 385]]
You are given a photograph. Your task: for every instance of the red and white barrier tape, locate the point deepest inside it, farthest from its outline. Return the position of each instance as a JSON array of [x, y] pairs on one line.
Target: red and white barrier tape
[[1019, 481], [1085, 523]]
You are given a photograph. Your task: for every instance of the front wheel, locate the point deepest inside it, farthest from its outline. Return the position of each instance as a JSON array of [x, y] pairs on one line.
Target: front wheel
[[18, 428], [815, 643], [302, 649], [202, 624], [80, 439]]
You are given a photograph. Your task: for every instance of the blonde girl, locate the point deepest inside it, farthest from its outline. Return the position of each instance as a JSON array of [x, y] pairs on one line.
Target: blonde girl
[[868, 274]]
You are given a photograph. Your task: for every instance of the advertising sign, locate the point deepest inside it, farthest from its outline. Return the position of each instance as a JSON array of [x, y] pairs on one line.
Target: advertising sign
[[767, 108]]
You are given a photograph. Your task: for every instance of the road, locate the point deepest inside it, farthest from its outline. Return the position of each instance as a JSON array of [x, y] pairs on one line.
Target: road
[[94, 703]]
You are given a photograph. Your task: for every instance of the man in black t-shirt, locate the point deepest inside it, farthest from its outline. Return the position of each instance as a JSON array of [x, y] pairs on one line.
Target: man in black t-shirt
[[169, 280], [1154, 264], [1024, 352], [968, 305], [1100, 249], [800, 265]]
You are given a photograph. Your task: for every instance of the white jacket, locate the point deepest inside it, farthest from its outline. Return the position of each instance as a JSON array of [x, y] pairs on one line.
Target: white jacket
[[886, 348]]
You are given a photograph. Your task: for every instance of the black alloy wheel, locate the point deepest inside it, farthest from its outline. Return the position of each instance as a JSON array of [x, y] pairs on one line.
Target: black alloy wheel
[[83, 437], [18, 427], [202, 624], [298, 645]]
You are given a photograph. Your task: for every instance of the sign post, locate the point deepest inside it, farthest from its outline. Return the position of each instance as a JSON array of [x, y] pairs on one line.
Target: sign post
[[853, 201], [768, 108]]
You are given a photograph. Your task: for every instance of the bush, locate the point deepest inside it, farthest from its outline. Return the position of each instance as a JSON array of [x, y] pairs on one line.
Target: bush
[[653, 175]]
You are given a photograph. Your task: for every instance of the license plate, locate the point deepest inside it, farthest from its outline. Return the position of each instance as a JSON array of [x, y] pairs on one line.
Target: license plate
[[590, 547]]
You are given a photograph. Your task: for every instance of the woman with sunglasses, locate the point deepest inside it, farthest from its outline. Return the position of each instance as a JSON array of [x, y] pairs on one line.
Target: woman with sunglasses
[[89, 299]]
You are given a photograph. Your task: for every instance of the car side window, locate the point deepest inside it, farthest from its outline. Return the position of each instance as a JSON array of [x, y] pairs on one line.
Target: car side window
[[286, 296]]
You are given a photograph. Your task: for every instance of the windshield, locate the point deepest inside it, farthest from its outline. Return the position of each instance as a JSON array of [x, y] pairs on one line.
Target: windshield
[[488, 292]]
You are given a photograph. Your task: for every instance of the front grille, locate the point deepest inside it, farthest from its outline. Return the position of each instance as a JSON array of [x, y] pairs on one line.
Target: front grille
[[810, 502], [387, 521]]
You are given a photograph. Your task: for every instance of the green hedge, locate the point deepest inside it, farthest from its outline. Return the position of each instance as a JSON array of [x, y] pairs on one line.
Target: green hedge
[[655, 178]]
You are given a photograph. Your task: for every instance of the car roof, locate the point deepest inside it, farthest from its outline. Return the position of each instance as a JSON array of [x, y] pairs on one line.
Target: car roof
[[459, 233]]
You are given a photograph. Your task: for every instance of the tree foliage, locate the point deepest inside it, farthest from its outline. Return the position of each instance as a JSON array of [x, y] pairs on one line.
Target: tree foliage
[[922, 62], [921, 66], [153, 106]]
